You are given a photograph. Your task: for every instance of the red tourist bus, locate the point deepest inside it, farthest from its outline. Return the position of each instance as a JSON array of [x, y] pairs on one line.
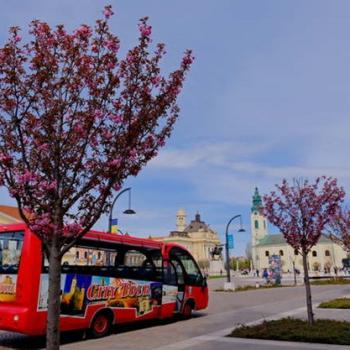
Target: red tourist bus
[[106, 279]]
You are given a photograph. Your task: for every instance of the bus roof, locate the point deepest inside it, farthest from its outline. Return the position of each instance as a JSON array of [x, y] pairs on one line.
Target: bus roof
[[98, 236]]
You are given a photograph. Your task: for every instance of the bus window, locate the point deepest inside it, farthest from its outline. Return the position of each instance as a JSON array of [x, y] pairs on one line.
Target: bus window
[[134, 258], [10, 251], [84, 259], [169, 274], [179, 272]]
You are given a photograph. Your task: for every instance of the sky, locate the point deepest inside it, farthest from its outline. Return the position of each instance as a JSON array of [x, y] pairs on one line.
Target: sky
[[267, 98]]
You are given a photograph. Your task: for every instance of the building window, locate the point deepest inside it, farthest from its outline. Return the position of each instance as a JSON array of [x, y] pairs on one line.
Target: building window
[[77, 254], [314, 253], [264, 225], [256, 223], [85, 255], [327, 253], [281, 252], [296, 252], [267, 253]]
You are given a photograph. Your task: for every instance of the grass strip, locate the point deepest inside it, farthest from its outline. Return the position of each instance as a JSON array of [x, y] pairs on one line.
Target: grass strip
[[331, 281], [291, 329], [245, 288], [339, 303]]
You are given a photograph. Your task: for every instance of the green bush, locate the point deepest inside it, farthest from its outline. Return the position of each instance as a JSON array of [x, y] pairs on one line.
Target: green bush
[[291, 329]]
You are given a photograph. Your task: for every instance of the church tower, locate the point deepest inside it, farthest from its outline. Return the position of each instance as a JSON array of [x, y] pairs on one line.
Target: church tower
[[180, 220], [258, 224]]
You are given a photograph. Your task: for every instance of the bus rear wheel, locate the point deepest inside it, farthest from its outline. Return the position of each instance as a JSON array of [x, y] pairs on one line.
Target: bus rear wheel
[[187, 310], [101, 325]]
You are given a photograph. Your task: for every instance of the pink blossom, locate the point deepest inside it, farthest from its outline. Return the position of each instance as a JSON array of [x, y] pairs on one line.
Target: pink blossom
[[107, 12], [83, 31], [72, 229], [145, 30], [107, 134], [5, 158], [117, 118], [26, 177], [98, 114], [43, 147], [18, 38], [156, 80], [117, 187], [130, 58], [48, 186], [115, 163], [112, 45]]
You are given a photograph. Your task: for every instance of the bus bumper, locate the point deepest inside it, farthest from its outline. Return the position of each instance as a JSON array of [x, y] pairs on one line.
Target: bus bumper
[[14, 319]]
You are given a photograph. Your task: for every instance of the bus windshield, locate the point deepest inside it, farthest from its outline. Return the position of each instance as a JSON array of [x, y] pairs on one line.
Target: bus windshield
[[10, 251]]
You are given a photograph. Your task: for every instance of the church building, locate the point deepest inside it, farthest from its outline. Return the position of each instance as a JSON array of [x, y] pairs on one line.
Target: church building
[[198, 238], [324, 256]]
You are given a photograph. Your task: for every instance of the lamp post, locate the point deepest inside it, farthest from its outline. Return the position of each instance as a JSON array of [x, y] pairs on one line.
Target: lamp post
[[127, 211], [227, 247]]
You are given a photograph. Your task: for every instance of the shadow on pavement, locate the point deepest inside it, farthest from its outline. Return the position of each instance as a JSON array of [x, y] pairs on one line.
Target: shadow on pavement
[[19, 341]]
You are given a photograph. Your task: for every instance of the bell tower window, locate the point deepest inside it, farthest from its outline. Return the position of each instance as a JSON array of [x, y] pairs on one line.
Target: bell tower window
[[256, 224]]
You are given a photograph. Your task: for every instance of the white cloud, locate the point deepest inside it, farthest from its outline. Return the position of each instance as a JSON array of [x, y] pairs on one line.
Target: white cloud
[[228, 172]]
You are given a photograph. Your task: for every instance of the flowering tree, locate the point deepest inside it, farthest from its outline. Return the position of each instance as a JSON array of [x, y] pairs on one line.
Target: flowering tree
[[339, 228], [301, 211], [75, 122]]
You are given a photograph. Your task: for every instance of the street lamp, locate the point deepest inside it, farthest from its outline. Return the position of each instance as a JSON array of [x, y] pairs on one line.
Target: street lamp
[[127, 211], [227, 247]]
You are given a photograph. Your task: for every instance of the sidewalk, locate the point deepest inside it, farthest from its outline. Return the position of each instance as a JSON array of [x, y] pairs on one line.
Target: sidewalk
[[219, 340]]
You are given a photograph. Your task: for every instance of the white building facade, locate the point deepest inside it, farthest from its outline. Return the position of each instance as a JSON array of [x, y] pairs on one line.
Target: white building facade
[[325, 256]]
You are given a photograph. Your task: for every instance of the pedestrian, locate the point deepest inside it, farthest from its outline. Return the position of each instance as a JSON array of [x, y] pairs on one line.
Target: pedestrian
[[257, 272], [221, 272], [266, 275]]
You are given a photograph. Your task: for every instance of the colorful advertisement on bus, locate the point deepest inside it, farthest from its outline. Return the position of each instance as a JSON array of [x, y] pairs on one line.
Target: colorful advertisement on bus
[[8, 287], [78, 291]]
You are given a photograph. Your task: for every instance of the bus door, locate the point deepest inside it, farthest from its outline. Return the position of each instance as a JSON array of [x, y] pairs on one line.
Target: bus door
[[172, 294], [180, 281], [192, 285]]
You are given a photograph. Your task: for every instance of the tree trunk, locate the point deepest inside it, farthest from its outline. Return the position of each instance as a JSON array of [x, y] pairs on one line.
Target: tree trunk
[[54, 302], [310, 314]]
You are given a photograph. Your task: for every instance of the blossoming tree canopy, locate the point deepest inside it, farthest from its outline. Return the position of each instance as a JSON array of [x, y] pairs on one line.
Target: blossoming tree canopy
[[302, 210], [76, 121]]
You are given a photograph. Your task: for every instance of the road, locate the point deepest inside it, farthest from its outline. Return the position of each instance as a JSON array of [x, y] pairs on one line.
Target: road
[[206, 328]]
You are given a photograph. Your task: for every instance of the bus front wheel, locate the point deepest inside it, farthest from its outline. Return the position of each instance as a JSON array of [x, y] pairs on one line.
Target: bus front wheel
[[101, 325]]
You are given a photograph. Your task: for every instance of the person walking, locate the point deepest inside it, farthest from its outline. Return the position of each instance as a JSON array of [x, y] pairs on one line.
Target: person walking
[[265, 275]]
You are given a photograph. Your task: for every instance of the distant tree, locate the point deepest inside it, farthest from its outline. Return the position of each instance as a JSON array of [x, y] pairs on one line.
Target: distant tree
[[301, 211], [241, 262], [75, 122], [248, 251], [204, 264]]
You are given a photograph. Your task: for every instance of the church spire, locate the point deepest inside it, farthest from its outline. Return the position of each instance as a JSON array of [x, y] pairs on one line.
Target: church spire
[[257, 201]]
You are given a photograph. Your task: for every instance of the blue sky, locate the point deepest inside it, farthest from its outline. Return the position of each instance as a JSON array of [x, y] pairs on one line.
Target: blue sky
[[267, 98]]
